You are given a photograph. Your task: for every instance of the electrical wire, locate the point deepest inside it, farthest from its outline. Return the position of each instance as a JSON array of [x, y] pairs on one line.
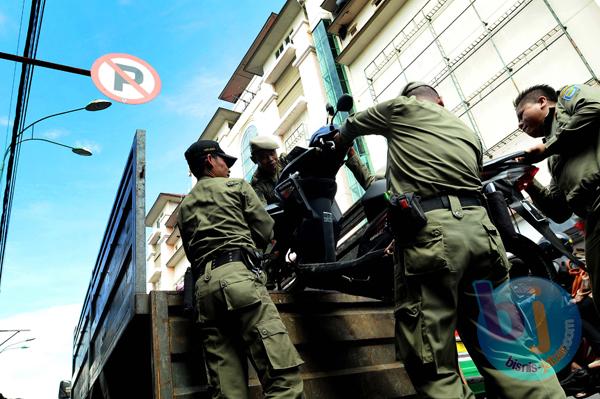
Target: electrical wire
[[12, 85], [30, 50]]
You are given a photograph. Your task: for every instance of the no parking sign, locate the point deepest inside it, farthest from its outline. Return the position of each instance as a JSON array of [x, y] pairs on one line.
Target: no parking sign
[[125, 78]]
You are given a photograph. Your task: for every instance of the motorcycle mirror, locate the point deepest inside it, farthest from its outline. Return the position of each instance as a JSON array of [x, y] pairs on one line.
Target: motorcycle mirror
[[330, 109], [345, 103]]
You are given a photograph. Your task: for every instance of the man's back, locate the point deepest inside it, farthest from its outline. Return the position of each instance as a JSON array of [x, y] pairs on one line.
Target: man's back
[[221, 214], [431, 149]]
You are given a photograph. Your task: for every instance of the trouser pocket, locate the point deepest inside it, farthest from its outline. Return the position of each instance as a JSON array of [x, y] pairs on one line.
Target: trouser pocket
[[240, 291], [427, 254], [496, 246], [280, 351], [412, 342]]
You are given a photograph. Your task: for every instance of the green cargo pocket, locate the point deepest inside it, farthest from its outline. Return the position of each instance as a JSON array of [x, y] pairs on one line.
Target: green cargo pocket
[[240, 292], [496, 245], [427, 254], [411, 335], [279, 348]]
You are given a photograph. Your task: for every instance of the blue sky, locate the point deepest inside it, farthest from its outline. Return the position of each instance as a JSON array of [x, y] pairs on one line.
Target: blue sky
[[62, 201]]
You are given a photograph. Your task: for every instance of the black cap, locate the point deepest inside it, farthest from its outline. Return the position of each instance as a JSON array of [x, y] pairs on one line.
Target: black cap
[[201, 148]]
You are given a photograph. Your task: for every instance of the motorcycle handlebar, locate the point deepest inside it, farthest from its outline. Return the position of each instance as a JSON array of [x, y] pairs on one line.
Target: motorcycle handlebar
[[513, 156]]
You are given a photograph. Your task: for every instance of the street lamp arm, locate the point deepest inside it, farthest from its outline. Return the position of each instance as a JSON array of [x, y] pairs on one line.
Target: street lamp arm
[[14, 347], [50, 116], [47, 141], [76, 150]]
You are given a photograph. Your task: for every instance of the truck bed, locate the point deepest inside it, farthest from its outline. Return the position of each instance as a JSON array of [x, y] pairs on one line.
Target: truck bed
[[347, 344]]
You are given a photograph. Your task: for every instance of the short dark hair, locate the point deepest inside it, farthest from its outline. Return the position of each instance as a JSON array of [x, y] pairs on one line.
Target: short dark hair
[[424, 91], [199, 167], [532, 93]]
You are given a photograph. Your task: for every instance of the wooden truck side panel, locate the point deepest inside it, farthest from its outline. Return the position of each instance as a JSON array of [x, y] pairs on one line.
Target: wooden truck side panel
[[118, 279]]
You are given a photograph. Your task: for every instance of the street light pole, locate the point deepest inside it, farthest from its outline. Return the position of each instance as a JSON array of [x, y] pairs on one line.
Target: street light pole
[[95, 105], [13, 345], [92, 106], [76, 150], [15, 332]]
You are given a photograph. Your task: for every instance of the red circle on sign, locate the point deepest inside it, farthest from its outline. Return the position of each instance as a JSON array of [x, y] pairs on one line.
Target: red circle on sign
[[103, 86]]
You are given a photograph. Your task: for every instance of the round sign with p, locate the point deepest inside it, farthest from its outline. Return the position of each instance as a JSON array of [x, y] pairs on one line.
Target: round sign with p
[[125, 78]]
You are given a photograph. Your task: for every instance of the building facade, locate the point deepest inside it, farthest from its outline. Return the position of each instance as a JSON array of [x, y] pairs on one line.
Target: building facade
[[165, 258], [477, 53]]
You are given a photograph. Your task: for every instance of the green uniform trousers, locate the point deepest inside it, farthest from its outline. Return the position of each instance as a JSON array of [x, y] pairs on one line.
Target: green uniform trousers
[[434, 296], [239, 321]]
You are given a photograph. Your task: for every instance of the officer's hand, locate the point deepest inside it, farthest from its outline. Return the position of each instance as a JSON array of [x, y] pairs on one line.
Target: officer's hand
[[337, 139], [389, 250], [341, 143], [536, 153]]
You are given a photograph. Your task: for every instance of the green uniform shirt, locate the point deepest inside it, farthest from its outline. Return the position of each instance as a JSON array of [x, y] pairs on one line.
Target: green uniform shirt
[[430, 150], [222, 214], [572, 138], [264, 184]]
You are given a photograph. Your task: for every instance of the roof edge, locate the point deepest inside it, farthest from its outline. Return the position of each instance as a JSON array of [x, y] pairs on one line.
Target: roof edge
[[241, 78]]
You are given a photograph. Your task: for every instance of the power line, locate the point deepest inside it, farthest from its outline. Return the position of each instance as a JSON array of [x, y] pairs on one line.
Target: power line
[[30, 50]]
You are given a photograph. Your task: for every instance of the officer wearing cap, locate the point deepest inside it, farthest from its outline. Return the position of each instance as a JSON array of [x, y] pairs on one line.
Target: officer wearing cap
[[269, 167], [435, 156], [222, 222], [569, 123], [264, 154]]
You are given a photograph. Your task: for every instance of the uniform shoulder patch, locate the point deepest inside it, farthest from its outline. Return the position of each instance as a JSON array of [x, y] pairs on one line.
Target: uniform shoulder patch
[[568, 92], [232, 183]]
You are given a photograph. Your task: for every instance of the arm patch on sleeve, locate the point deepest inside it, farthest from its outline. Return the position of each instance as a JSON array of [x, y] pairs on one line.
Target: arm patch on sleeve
[[569, 92]]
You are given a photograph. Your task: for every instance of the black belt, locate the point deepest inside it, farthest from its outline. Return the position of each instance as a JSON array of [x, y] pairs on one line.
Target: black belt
[[225, 257], [443, 202]]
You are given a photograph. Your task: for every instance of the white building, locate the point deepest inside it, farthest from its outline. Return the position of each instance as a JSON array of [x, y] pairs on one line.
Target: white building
[[478, 55], [280, 88], [165, 261]]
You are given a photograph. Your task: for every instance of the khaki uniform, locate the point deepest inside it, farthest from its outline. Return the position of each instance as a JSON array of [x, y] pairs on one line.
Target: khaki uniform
[[572, 137], [432, 153], [237, 316], [264, 184]]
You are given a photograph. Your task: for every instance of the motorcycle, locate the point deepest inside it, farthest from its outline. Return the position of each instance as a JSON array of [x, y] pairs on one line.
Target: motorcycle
[[320, 248], [308, 223], [504, 179]]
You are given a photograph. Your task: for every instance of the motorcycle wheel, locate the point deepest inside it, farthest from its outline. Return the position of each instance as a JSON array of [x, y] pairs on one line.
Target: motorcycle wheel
[[528, 259]]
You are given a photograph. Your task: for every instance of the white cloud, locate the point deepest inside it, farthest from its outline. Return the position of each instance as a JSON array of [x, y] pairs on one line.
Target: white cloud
[[190, 27], [55, 134], [199, 96], [4, 119], [36, 372], [38, 209], [95, 148]]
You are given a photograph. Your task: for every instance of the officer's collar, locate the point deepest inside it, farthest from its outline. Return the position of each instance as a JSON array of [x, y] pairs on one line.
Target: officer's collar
[[548, 122], [260, 173]]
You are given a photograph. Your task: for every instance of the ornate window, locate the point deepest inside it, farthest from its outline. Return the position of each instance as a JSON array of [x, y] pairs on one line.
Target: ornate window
[[297, 137]]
